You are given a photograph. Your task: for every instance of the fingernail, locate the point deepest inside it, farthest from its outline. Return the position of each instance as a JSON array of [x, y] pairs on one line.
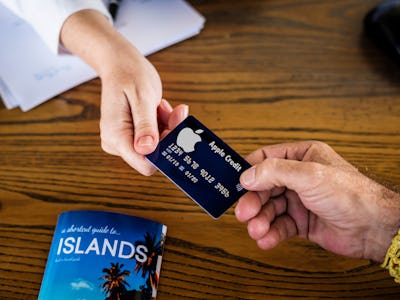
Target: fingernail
[[249, 176], [146, 140], [185, 112], [237, 212]]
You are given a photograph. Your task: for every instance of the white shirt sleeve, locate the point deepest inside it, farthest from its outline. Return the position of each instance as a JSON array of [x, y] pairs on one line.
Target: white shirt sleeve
[[48, 16]]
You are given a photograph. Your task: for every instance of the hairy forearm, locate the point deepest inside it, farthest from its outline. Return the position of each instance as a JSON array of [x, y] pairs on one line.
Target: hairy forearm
[[386, 206]]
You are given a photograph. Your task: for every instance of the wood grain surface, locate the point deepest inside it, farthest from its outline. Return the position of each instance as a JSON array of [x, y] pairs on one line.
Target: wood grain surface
[[261, 72]]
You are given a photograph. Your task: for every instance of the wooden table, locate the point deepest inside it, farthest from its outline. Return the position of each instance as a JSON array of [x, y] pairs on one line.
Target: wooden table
[[261, 72]]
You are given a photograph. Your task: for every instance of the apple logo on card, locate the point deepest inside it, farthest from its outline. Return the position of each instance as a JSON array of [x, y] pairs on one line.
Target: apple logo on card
[[187, 138]]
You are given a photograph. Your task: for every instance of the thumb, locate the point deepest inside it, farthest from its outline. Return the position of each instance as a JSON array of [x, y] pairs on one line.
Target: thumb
[[276, 172], [145, 124]]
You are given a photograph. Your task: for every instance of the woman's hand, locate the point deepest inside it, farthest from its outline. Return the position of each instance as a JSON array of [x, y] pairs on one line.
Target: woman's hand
[[132, 113]]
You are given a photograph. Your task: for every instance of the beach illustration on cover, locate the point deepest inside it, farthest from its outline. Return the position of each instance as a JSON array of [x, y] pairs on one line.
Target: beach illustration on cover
[[101, 255]]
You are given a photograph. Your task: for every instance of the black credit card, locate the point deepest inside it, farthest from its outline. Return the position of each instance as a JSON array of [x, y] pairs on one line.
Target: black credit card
[[201, 165]]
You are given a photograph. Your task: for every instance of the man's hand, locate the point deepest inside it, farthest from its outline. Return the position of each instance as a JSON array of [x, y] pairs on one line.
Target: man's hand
[[307, 189]]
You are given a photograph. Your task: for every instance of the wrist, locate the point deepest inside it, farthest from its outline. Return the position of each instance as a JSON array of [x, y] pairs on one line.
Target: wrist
[[385, 207], [89, 35]]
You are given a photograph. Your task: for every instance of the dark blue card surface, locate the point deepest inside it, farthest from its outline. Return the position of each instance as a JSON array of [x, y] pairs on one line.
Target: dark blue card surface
[[202, 165]]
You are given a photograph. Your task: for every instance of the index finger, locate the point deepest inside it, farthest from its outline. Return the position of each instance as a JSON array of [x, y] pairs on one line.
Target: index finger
[[293, 151]]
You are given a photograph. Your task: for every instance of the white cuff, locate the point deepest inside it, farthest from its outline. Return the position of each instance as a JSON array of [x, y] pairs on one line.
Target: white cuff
[[48, 16]]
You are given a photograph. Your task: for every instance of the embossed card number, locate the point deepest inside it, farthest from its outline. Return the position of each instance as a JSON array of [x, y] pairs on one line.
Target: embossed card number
[[202, 165]]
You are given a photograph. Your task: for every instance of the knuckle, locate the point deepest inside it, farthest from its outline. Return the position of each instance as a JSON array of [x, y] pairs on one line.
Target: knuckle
[[320, 146], [145, 95], [270, 164], [318, 173], [108, 145], [106, 148], [143, 125], [109, 142]]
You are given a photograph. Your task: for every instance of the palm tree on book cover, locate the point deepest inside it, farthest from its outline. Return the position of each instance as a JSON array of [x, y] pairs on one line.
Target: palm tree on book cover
[[114, 281], [115, 285], [149, 267]]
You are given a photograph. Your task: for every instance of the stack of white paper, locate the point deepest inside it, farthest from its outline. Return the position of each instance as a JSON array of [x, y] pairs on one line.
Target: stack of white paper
[[30, 73]]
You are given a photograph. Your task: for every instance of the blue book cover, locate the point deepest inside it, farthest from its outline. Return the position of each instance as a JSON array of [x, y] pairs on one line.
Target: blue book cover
[[103, 255]]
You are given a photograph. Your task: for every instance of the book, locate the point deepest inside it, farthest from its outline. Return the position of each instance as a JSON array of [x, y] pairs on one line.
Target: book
[[103, 255], [31, 74]]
